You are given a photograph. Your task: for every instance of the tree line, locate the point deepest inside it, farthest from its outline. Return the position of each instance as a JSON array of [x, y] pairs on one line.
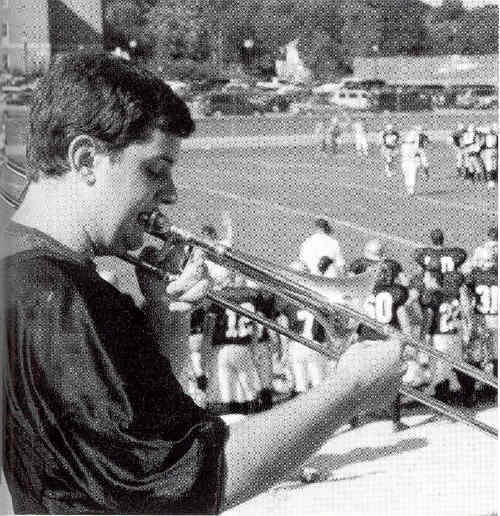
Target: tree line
[[202, 38]]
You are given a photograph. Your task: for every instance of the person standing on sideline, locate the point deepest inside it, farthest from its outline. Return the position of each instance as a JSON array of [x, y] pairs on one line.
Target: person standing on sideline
[[333, 132], [489, 155], [321, 244], [409, 163], [457, 141], [319, 136], [389, 146]]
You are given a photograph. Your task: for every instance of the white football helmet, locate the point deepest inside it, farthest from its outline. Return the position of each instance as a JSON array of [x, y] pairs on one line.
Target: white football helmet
[[374, 250]]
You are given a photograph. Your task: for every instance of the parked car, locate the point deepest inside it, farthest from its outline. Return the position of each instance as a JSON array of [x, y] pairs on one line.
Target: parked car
[[402, 98], [483, 97], [352, 99], [312, 104], [232, 104], [270, 101]]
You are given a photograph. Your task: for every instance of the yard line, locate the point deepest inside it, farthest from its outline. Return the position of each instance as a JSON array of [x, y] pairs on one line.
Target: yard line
[[356, 186], [290, 211]]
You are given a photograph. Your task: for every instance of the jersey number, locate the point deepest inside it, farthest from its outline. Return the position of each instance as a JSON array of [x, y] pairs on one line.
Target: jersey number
[[307, 320], [448, 316], [447, 264], [379, 307], [488, 299], [239, 326]]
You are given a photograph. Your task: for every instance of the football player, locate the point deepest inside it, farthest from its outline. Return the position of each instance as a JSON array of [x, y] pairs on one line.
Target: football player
[[197, 381], [264, 346], [386, 305], [482, 314], [333, 134], [410, 161], [489, 155], [422, 140], [490, 243], [473, 143], [374, 254], [389, 140], [360, 137], [457, 141], [307, 366], [232, 334], [439, 258], [440, 299]]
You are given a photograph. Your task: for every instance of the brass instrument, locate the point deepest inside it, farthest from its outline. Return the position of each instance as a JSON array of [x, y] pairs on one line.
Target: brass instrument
[[326, 298]]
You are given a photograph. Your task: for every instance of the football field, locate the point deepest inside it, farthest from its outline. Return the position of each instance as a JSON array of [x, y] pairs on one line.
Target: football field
[[274, 193]]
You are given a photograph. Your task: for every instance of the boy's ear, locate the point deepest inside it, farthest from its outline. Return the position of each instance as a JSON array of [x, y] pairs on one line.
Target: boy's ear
[[81, 153]]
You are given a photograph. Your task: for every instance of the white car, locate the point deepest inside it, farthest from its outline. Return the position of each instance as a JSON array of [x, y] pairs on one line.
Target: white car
[[352, 99]]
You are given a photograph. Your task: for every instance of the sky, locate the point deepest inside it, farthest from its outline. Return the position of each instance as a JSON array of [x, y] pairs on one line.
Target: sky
[[467, 3]]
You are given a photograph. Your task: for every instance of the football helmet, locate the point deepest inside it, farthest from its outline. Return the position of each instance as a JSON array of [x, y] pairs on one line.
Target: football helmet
[[374, 250]]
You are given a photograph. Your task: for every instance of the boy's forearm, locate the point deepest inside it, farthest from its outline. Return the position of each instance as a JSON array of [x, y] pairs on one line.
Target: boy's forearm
[[264, 446]]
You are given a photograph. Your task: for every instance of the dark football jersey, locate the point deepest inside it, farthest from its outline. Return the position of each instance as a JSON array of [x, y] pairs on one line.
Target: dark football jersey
[[382, 306], [483, 285], [197, 319], [231, 327], [265, 306], [390, 139], [304, 323], [440, 259], [441, 309]]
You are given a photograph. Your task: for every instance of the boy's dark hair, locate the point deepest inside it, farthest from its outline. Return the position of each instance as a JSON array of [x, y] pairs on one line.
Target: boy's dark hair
[[437, 237], [105, 97]]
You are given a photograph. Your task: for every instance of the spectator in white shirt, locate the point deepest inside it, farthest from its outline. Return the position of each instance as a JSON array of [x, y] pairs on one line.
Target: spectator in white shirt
[[219, 274], [320, 244]]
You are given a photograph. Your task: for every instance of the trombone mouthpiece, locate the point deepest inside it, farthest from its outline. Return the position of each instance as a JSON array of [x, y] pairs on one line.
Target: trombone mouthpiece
[[153, 222]]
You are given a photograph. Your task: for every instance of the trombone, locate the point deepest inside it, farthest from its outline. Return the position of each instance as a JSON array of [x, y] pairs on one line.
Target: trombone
[[336, 302]]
